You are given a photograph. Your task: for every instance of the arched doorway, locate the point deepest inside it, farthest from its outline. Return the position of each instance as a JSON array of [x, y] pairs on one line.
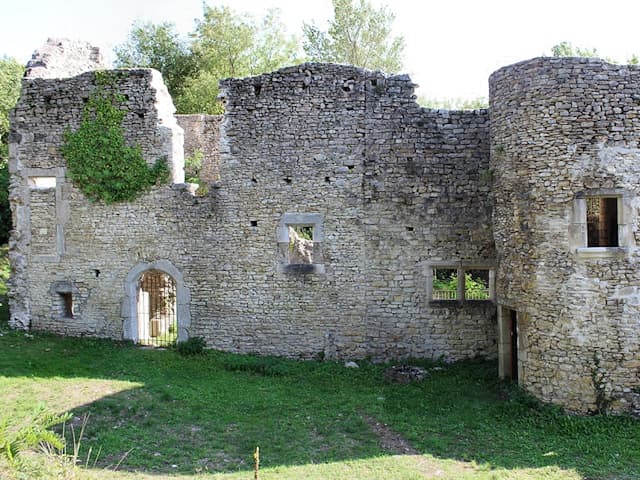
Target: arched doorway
[[157, 309]]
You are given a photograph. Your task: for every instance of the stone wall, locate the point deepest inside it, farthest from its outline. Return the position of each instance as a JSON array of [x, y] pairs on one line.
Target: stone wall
[[564, 130], [59, 236], [386, 191], [388, 188]]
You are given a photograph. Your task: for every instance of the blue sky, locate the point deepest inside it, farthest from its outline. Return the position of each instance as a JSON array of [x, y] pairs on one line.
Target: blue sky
[[452, 45]]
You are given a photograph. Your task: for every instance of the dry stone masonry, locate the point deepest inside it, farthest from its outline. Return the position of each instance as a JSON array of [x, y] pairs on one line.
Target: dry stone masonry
[[385, 193]]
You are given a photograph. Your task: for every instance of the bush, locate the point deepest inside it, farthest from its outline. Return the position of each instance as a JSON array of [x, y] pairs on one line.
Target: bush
[[192, 346]]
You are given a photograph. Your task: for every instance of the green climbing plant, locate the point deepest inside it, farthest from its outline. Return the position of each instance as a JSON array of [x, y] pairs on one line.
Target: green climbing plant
[[99, 161]]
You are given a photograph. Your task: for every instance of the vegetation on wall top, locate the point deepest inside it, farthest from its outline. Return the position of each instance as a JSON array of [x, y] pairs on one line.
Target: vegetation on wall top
[[99, 161]]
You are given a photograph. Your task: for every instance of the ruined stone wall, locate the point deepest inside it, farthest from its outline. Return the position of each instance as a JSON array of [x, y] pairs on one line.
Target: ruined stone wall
[[202, 134], [387, 187], [563, 130], [397, 186], [60, 240]]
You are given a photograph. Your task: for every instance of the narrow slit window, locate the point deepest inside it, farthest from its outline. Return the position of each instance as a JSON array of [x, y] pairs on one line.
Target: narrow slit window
[[300, 244], [602, 222], [66, 304], [445, 284]]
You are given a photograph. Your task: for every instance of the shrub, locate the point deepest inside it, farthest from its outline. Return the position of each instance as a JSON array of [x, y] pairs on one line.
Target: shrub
[[191, 346], [99, 160]]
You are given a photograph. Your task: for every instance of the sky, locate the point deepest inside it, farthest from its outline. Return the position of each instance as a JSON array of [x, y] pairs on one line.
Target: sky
[[452, 46]]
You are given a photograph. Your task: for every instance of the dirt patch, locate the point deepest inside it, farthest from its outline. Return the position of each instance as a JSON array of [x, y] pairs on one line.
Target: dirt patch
[[390, 441]]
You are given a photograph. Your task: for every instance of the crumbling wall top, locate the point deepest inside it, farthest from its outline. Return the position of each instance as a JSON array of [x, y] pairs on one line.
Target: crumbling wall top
[[61, 57]]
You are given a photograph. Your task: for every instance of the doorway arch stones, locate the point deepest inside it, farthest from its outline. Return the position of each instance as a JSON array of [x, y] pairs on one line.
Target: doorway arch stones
[[129, 303]]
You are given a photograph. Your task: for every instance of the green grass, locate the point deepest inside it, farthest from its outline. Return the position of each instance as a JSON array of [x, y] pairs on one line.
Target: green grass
[[202, 417], [154, 414]]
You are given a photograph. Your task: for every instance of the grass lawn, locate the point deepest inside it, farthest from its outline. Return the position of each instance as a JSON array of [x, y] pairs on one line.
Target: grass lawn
[[155, 414], [203, 416]]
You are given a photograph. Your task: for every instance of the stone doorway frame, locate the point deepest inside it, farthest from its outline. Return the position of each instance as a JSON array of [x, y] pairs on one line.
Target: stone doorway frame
[[130, 300]]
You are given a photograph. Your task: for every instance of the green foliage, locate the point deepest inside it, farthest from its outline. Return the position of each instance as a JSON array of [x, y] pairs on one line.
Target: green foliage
[[160, 47], [228, 44], [5, 210], [307, 416], [447, 280], [191, 346], [566, 49], [223, 44], [192, 166], [475, 288], [358, 35], [454, 103], [99, 161], [15, 440], [10, 81]]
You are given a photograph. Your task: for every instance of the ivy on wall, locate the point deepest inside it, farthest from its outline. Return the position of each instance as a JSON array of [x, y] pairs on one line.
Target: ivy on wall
[[99, 161]]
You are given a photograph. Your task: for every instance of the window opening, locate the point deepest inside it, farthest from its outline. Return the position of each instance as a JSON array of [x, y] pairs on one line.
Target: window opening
[[67, 304], [41, 183], [602, 222], [476, 285], [445, 284], [300, 244], [157, 309]]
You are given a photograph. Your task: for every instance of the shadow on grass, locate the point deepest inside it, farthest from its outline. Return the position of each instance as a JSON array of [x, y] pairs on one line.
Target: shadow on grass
[[208, 413]]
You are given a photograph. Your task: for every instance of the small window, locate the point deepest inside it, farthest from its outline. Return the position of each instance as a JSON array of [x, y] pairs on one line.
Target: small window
[[66, 304], [476, 284], [457, 283], [602, 222], [300, 244], [445, 284], [42, 183], [300, 240]]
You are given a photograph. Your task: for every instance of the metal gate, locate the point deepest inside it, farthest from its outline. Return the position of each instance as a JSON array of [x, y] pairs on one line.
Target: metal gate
[[157, 318]]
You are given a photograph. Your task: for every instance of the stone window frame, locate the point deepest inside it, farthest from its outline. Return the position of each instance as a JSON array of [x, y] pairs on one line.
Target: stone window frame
[[578, 234], [461, 268], [314, 220], [64, 295], [61, 208]]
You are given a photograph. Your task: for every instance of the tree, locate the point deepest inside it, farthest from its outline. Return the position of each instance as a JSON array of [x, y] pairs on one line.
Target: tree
[[223, 44], [457, 103], [231, 45], [159, 47], [566, 49], [358, 35], [10, 80]]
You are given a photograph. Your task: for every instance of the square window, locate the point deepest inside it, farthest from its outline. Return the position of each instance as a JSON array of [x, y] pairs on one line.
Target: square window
[[300, 240], [601, 223], [477, 284], [445, 284]]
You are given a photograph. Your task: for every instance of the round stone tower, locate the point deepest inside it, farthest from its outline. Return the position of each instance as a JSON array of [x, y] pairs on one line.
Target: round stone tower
[[566, 179]]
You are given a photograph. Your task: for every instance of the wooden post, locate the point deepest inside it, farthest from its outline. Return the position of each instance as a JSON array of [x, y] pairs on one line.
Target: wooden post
[[256, 463]]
